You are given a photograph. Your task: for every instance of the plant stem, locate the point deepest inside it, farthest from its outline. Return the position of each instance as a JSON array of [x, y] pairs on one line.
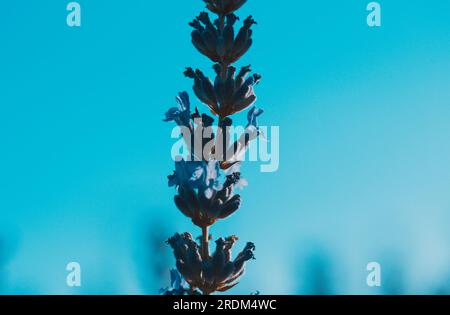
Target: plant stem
[[205, 243], [221, 23]]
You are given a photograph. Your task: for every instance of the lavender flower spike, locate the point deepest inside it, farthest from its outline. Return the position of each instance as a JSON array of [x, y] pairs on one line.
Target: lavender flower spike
[[206, 183]]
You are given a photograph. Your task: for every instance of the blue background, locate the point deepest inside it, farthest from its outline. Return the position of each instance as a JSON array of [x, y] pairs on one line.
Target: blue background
[[364, 172]]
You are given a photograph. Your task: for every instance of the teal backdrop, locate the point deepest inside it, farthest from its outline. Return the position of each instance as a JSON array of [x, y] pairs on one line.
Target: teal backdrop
[[364, 150]]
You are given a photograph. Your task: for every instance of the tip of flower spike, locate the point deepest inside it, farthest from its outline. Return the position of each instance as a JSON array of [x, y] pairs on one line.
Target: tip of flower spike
[[224, 6]]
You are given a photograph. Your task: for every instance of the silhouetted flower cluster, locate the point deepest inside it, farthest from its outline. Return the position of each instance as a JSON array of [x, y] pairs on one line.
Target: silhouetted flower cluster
[[222, 150], [218, 272], [206, 179], [229, 94], [201, 196], [217, 40]]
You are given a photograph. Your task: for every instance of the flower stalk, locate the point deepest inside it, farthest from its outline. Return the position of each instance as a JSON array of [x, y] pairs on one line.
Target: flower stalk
[[205, 243]]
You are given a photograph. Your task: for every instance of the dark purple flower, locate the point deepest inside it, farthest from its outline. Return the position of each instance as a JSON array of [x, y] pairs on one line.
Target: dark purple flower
[[182, 113], [229, 94], [232, 154], [201, 195], [193, 125], [218, 41], [218, 272]]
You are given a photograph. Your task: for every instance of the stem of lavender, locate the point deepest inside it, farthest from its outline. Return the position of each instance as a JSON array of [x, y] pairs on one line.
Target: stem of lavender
[[205, 243]]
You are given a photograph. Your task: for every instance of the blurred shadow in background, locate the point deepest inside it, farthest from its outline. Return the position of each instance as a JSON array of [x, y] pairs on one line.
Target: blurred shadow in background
[[154, 266], [6, 254], [393, 276], [444, 288], [315, 273], [1, 266]]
